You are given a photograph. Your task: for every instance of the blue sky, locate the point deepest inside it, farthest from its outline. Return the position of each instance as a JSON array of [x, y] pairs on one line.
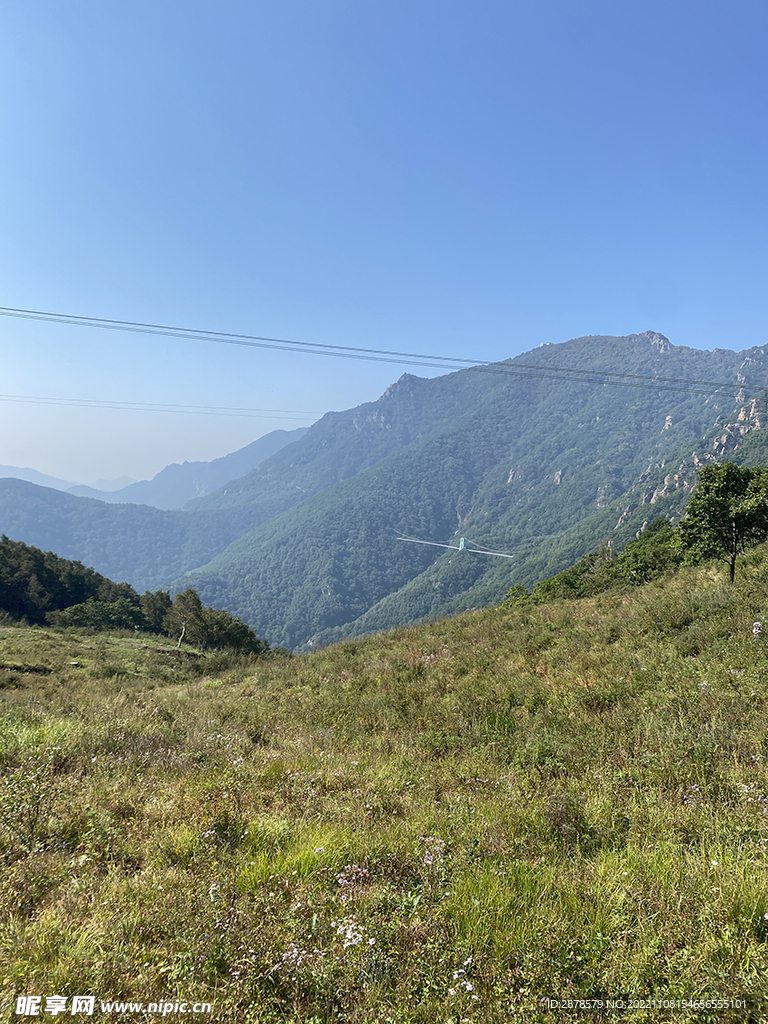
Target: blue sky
[[468, 179]]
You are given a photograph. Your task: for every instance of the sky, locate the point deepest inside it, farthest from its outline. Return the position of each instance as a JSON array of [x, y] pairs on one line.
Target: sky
[[437, 176]]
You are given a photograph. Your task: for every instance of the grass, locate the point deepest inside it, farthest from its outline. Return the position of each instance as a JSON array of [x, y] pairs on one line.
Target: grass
[[441, 824]]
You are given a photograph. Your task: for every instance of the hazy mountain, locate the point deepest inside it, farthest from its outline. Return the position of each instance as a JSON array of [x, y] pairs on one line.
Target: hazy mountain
[[100, 488], [34, 477], [113, 485], [175, 485], [143, 546]]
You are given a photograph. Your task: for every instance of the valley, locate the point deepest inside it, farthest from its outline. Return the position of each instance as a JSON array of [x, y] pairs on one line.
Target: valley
[[542, 457]]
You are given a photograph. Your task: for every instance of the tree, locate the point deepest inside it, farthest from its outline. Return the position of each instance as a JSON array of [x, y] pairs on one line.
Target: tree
[[100, 615], [727, 513], [653, 553], [155, 605], [219, 630], [210, 628], [184, 614]]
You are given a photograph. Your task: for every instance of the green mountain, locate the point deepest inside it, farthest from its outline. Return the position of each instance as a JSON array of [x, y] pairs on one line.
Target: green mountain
[[35, 583], [542, 466], [143, 546], [540, 457]]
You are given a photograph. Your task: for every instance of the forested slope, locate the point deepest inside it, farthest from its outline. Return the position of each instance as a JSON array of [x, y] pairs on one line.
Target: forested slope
[[455, 583], [142, 545], [540, 469]]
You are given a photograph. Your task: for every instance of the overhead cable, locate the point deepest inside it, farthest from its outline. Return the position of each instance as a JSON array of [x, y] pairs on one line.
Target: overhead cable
[[201, 410], [543, 371]]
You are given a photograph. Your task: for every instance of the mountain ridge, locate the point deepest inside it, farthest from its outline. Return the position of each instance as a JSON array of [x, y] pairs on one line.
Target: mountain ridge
[[559, 468], [538, 456], [178, 483]]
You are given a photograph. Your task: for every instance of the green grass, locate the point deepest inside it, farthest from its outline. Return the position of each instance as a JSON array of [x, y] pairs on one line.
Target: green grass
[[446, 823]]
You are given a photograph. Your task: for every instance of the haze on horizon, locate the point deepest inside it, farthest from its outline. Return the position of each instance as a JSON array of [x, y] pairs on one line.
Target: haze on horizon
[[465, 180]]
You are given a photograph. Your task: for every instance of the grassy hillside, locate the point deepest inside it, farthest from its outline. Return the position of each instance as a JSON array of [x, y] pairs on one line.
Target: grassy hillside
[[439, 824]]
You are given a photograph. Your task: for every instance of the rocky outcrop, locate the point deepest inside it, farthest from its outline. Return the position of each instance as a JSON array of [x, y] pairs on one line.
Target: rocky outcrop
[[657, 340], [648, 489], [374, 417], [749, 418], [672, 482], [404, 385]]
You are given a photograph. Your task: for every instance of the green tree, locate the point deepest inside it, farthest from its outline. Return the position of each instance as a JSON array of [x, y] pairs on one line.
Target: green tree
[[155, 605], [654, 552], [727, 513], [184, 615], [209, 628], [218, 630], [124, 613]]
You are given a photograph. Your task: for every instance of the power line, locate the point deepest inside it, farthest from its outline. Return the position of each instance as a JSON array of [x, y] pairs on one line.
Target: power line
[[544, 371], [201, 410], [222, 337]]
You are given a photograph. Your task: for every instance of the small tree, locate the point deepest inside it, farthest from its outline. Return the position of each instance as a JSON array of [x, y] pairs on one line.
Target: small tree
[[727, 512], [184, 614], [210, 628], [219, 630]]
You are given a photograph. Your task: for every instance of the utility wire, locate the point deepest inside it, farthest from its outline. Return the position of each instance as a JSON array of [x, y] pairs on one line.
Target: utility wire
[[201, 410], [539, 371]]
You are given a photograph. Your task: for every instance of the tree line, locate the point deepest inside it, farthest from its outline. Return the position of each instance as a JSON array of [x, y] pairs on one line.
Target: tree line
[[40, 588]]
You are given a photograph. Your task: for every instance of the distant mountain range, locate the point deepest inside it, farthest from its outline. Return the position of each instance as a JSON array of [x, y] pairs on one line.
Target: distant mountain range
[[540, 457], [100, 489], [32, 475], [175, 485], [178, 483]]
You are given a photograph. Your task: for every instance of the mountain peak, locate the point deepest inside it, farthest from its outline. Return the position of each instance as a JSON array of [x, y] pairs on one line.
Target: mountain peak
[[406, 381], [657, 340]]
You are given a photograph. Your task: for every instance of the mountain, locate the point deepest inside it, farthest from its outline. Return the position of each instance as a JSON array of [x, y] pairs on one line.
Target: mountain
[[177, 484], [34, 477], [540, 457], [143, 546], [34, 584], [113, 485], [536, 465]]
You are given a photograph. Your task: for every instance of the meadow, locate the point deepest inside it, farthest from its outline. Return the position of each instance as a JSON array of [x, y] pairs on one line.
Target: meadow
[[449, 823]]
